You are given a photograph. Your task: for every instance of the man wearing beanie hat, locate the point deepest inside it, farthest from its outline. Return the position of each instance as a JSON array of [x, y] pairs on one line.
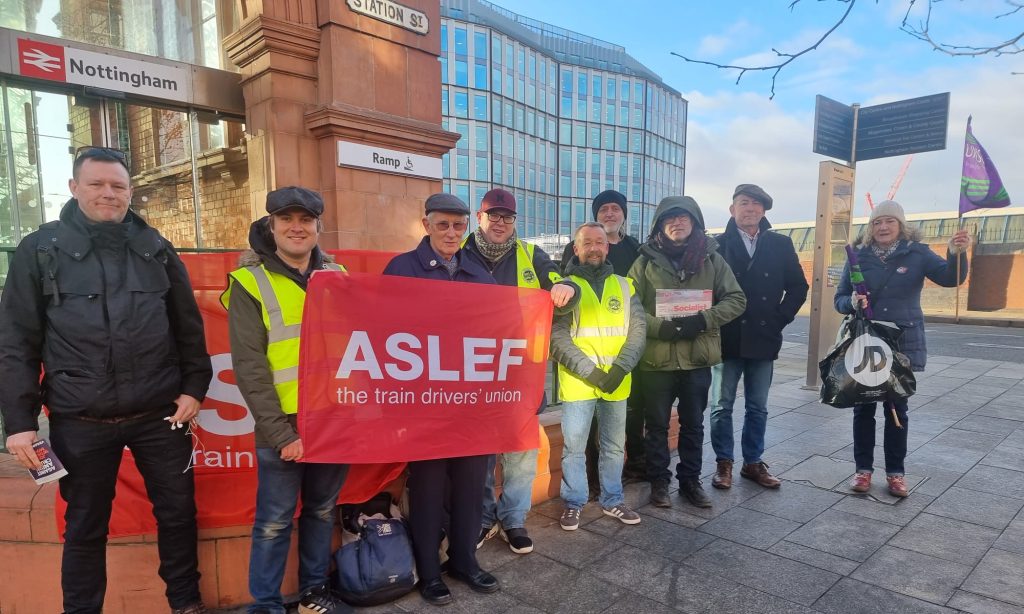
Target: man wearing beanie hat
[[767, 268], [512, 262], [681, 349], [274, 273], [610, 210]]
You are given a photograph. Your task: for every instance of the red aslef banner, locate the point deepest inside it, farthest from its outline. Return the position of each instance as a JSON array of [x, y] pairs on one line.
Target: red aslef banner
[[403, 369], [224, 457]]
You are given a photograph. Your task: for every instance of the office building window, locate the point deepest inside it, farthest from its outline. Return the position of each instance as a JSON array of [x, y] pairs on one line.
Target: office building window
[[480, 45], [461, 73], [461, 167], [480, 138], [460, 41], [480, 75], [461, 104], [481, 168], [479, 107]]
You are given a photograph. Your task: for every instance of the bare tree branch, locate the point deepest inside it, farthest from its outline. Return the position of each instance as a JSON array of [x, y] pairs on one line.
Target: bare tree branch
[[790, 57], [922, 33]]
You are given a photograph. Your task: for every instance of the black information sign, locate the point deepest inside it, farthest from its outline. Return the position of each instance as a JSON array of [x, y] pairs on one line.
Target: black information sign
[[833, 128], [903, 127]]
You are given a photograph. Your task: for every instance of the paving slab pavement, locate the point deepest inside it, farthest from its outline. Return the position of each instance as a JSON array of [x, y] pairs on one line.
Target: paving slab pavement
[[955, 545]]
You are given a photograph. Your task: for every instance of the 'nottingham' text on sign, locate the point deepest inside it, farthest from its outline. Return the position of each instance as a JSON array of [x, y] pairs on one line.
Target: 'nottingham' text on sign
[[66, 64], [392, 13]]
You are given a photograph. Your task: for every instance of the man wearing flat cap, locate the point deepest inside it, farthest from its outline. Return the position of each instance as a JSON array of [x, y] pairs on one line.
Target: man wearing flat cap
[[264, 299], [452, 485], [512, 262], [766, 265]]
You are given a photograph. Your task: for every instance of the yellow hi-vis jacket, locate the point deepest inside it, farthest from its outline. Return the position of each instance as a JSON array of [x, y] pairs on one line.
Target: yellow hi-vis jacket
[[526, 275], [281, 302], [599, 329]]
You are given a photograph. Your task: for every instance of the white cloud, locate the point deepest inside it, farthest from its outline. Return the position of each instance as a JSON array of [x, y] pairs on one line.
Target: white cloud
[[743, 138], [735, 34]]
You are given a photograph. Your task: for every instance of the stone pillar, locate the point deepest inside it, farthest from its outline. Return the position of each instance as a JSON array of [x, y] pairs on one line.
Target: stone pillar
[[315, 72]]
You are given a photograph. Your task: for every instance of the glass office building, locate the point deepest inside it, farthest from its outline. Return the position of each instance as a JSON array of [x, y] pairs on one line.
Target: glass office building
[[555, 117]]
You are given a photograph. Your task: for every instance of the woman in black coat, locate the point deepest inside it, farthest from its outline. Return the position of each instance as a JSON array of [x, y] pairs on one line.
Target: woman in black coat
[[895, 266]]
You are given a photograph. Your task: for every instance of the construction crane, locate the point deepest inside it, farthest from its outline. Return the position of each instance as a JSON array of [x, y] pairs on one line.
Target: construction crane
[[895, 183]]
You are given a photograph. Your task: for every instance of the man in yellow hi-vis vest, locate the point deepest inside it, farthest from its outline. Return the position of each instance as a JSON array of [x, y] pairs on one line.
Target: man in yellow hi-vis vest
[[264, 299], [596, 345], [512, 262]]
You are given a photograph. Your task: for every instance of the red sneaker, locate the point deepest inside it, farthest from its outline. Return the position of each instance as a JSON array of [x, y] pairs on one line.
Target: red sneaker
[[897, 485], [861, 482]]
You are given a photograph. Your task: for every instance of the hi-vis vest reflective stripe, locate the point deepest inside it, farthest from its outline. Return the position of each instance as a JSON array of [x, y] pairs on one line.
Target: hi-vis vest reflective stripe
[[600, 328], [281, 301]]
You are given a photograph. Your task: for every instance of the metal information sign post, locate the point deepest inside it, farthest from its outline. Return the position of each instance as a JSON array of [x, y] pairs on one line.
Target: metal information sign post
[[831, 235]]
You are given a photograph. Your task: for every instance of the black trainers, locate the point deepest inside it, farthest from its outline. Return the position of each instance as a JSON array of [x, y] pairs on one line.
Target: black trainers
[[659, 495], [518, 540], [321, 600], [485, 534], [195, 608], [692, 491]]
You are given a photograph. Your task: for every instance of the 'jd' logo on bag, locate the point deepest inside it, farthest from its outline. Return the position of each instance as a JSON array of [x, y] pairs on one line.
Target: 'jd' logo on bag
[[869, 360]]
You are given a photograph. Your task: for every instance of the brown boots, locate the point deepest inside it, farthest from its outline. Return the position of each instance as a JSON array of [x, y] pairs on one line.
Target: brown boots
[[754, 471], [723, 475], [759, 473]]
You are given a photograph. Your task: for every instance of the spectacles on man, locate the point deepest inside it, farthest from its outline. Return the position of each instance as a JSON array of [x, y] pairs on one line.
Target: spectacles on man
[[508, 219], [444, 226], [93, 151]]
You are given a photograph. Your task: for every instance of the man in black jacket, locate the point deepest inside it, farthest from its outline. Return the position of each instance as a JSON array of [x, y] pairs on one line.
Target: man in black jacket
[[767, 268], [103, 302]]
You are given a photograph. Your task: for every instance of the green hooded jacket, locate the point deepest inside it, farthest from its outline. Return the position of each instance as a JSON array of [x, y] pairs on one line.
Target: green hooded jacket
[[653, 270]]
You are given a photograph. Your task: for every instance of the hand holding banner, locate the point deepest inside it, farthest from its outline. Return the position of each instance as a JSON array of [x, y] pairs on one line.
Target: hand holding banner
[[402, 369]]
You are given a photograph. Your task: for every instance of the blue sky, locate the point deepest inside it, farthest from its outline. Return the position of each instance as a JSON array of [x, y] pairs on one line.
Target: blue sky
[[737, 135]]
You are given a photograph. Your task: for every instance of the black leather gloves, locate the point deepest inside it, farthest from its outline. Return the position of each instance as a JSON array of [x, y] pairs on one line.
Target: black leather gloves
[[597, 377], [668, 331], [613, 379], [690, 326]]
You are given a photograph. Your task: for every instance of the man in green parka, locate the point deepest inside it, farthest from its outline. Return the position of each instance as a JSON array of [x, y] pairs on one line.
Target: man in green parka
[[677, 264]]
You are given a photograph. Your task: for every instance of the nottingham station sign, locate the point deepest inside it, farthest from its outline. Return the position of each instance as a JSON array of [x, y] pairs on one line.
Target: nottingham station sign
[[67, 64], [392, 13]]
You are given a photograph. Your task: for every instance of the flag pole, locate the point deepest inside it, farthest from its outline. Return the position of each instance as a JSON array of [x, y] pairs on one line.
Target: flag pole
[[959, 227]]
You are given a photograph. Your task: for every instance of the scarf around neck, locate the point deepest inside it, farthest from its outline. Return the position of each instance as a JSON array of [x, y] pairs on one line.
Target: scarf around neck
[[688, 257], [493, 251], [883, 253]]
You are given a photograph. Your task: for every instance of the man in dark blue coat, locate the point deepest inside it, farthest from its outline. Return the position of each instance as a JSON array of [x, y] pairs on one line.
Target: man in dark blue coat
[[766, 265], [455, 484]]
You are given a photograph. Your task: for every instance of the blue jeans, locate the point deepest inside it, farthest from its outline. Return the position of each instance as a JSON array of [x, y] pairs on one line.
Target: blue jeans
[[611, 421], [518, 469], [280, 485], [757, 380]]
